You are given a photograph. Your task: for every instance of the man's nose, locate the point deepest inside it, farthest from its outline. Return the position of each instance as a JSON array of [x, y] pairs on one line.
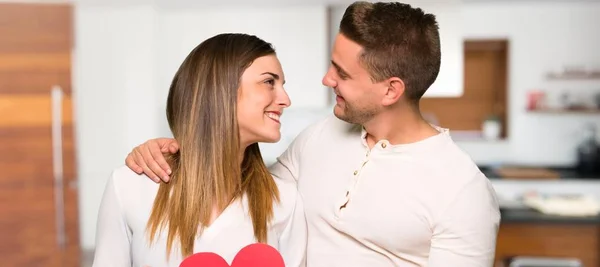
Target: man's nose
[[328, 80]]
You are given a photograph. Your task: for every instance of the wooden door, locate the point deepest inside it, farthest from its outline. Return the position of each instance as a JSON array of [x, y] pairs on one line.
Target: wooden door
[[38, 194]]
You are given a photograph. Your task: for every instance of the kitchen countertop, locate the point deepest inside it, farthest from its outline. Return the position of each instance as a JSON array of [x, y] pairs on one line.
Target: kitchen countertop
[[533, 216], [525, 215], [564, 173]]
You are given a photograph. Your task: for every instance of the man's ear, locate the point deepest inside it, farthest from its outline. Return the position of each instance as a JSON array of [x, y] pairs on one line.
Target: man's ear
[[395, 90]]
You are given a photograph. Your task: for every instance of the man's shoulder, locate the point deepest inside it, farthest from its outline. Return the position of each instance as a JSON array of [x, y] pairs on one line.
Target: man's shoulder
[[456, 175], [325, 123], [462, 172], [288, 198], [454, 157], [453, 166], [328, 128]]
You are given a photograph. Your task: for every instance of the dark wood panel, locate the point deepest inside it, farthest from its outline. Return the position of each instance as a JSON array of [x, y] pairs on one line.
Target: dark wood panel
[[460, 115], [35, 62], [38, 109], [485, 45], [545, 240], [36, 27], [29, 228], [33, 82], [26, 156], [35, 54]]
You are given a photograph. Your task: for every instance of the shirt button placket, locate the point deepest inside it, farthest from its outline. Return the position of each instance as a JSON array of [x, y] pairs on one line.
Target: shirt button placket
[[352, 187]]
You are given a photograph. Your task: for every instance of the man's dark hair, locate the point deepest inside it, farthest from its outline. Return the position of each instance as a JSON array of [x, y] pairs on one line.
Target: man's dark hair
[[398, 41]]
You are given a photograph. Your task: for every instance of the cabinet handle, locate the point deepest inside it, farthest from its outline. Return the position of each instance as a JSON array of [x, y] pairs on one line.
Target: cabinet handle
[[57, 161]]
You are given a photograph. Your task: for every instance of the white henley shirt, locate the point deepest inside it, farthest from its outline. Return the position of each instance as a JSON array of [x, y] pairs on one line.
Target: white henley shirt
[[418, 204]]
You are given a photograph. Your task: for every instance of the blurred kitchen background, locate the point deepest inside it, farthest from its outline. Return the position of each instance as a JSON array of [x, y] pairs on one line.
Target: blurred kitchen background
[[82, 82]]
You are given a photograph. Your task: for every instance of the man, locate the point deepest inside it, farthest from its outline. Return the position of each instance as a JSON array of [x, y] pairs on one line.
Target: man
[[381, 186]]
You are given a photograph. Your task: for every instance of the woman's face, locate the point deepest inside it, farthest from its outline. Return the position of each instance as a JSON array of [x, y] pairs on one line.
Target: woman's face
[[261, 100]]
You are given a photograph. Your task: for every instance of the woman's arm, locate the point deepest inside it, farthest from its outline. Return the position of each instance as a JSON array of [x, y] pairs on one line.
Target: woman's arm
[[112, 233]]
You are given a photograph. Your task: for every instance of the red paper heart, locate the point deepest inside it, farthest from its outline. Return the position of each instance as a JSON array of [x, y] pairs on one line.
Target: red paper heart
[[204, 259], [254, 255]]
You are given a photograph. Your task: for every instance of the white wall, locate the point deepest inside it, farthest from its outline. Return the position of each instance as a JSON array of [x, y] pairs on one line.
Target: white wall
[[298, 35], [449, 82], [543, 37], [125, 57], [114, 88]]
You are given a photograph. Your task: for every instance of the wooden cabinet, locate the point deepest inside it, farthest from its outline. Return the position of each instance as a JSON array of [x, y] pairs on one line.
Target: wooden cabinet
[[568, 240], [38, 194], [485, 90]]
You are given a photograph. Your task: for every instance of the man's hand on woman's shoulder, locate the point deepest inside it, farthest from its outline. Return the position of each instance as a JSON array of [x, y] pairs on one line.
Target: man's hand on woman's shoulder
[[149, 159]]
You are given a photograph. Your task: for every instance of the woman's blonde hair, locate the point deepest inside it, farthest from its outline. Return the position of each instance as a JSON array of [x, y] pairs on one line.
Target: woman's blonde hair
[[201, 111]]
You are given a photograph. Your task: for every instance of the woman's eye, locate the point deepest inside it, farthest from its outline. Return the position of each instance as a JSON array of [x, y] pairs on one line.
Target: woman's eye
[[270, 82]]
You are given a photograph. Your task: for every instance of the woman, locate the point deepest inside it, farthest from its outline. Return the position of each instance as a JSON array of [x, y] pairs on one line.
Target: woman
[[226, 96]]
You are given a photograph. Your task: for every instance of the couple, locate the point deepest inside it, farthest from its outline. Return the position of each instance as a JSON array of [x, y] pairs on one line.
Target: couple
[[374, 185]]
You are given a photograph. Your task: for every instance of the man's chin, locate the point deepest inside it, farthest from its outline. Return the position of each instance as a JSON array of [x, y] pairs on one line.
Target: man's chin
[[339, 113], [351, 117]]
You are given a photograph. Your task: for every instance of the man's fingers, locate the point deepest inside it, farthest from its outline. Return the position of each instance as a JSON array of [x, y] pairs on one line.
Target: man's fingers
[[173, 148], [157, 153], [139, 159], [130, 162], [154, 158]]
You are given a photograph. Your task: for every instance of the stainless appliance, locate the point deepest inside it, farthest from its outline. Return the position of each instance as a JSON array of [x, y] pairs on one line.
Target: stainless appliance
[[588, 152]]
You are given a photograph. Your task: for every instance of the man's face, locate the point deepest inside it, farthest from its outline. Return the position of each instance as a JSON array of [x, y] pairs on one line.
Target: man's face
[[358, 99]]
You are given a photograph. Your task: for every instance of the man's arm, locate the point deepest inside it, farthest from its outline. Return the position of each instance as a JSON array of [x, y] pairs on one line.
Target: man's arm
[[287, 166], [148, 158], [466, 233], [293, 239]]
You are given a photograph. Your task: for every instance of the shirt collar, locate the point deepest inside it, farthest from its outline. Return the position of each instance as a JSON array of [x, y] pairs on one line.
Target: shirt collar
[[385, 145]]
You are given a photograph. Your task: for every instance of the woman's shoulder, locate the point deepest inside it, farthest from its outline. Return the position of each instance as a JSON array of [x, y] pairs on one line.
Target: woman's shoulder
[[124, 176], [129, 185]]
